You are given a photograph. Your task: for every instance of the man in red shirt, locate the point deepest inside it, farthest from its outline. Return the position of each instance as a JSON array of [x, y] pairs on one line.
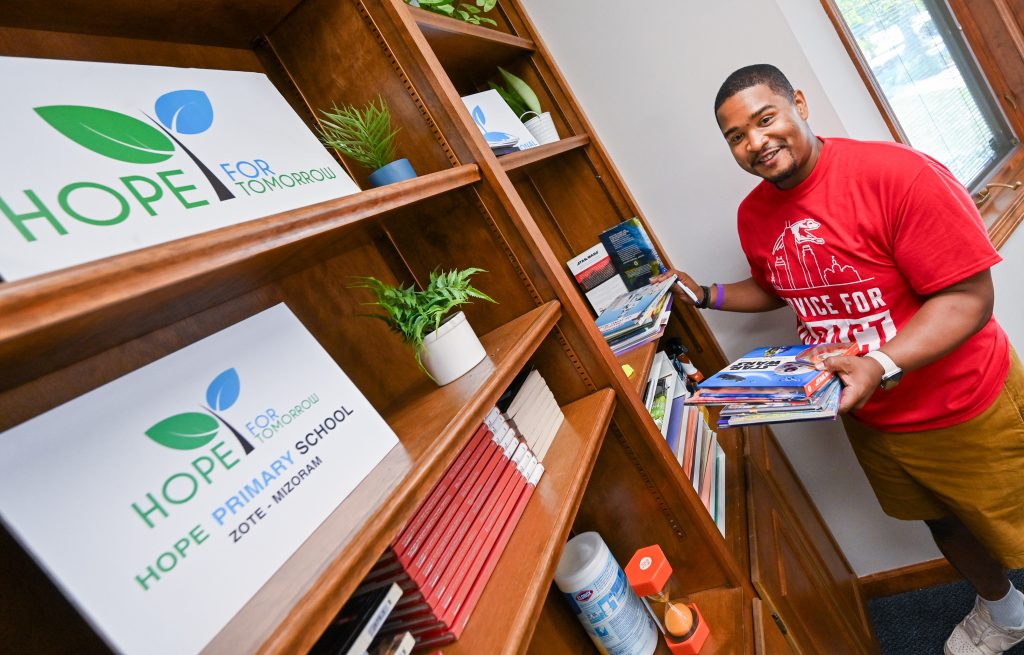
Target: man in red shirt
[[878, 244]]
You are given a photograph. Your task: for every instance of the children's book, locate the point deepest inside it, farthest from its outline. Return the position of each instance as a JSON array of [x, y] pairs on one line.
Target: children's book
[[632, 252], [634, 309], [497, 122], [777, 372]]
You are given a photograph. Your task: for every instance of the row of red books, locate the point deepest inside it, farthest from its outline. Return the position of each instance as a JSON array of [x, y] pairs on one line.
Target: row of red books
[[445, 555]]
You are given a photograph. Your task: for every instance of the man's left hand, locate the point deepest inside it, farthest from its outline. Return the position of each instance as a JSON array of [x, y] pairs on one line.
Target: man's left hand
[[861, 377]]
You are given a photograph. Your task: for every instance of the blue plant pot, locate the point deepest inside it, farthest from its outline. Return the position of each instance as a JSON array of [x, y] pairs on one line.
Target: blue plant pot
[[396, 171]]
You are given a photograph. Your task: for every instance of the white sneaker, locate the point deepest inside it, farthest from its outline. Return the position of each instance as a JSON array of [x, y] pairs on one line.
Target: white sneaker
[[978, 635]]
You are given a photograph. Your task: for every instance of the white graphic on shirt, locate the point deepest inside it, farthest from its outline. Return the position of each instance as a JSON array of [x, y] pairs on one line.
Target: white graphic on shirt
[[794, 263], [850, 314]]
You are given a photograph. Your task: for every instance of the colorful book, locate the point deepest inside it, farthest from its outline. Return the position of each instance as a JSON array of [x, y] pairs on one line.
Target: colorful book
[[774, 372], [632, 252], [597, 277], [634, 310]]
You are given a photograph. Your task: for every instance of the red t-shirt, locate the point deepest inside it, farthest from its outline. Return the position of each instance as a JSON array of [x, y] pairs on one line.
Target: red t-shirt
[[856, 247]]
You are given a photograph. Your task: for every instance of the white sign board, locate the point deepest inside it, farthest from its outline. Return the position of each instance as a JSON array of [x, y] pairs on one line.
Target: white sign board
[[497, 121], [162, 501], [99, 159]]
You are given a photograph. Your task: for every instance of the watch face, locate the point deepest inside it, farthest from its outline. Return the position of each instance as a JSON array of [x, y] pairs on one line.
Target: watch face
[[890, 381]]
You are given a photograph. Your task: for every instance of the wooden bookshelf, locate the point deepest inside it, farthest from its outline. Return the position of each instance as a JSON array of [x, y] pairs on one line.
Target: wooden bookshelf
[[520, 583], [298, 603], [641, 359], [542, 153], [520, 217]]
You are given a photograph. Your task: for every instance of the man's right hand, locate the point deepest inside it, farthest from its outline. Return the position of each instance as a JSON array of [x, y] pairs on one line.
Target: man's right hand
[[690, 283]]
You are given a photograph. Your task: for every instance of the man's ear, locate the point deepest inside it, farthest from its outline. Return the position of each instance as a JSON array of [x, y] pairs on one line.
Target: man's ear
[[800, 102]]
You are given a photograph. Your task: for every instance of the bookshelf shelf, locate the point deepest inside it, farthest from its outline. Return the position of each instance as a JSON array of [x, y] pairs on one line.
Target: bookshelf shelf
[[543, 153], [44, 311], [504, 620], [641, 360], [471, 50], [299, 601]]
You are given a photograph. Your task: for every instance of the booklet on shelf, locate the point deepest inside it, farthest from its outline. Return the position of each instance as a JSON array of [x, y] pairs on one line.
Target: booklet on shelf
[[632, 252], [597, 277]]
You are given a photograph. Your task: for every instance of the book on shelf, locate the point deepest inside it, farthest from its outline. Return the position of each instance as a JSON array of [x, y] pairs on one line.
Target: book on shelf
[[652, 332], [398, 644], [632, 253], [597, 277], [358, 622], [633, 311], [719, 513]]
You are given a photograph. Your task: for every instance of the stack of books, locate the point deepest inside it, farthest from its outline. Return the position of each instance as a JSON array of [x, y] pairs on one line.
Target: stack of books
[[687, 431], [637, 317], [776, 384], [354, 629], [446, 553]]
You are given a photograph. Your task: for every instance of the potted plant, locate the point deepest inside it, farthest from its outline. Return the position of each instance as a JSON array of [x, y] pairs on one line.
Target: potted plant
[[463, 11], [523, 101], [366, 136], [445, 344]]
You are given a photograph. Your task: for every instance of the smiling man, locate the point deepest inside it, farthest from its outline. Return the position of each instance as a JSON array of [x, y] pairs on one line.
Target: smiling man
[[878, 244]]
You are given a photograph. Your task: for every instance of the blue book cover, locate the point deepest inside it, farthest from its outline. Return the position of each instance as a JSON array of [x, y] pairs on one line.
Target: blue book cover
[[632, 309], [632, 252], [777, 368]]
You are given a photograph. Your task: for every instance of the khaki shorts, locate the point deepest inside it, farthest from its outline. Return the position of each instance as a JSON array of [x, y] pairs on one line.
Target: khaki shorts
[[974, 470]]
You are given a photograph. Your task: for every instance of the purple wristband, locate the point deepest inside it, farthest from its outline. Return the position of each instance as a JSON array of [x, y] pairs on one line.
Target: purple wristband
[[719, 296]]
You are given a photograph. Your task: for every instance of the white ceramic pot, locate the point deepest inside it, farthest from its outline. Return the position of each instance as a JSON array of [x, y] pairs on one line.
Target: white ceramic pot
[[542, 127], [451, 350]]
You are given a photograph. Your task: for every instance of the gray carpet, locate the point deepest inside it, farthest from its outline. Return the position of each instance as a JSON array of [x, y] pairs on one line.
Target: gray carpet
[[918, 622]]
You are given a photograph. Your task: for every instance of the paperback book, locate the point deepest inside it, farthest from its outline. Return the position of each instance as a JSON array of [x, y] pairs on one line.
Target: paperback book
[[632, 252]]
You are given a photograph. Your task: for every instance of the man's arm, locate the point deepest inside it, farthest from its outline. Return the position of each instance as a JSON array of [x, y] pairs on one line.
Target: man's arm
[[745, 296], [947, 318]]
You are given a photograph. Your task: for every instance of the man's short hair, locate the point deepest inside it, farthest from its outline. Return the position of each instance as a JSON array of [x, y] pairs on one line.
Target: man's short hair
[[749, 76]]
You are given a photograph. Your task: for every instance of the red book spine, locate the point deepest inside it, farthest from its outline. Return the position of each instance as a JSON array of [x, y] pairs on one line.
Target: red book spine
[[408, 533], [474, 533], [455, 596], [463, 524], [438, 511], [442, 529], [463, 613]]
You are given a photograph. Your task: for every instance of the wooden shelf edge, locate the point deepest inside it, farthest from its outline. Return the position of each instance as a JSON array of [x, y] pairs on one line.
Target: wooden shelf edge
[[725, 610], [41, 302], [641, 359], [305, 594], [507, 613], [541, 153], [431, 22]]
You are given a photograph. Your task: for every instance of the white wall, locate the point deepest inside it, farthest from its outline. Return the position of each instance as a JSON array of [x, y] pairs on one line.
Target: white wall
[[647, 76]]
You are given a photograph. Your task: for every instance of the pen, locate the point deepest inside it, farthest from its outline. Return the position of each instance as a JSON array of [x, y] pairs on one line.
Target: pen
[[691, 295]]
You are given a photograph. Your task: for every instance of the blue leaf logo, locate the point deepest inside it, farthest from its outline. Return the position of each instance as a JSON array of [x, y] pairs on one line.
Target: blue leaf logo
[[223, 391], [478, 116], [185, 112]]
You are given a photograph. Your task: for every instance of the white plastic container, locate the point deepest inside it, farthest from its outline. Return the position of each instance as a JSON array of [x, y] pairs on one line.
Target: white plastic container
[[542, 127], [452, 350], [597, 590]]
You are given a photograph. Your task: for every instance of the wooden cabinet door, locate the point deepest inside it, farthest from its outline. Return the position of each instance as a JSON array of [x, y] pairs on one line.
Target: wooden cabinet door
[[768, 637], [785, 575], [765, 453]]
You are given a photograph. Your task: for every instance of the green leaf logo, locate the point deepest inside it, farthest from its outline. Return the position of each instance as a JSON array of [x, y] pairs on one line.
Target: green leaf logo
[[184, 431], [109, 133]]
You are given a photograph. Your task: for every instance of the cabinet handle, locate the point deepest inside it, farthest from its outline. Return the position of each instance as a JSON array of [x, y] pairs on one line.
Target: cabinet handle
[[983, 195]]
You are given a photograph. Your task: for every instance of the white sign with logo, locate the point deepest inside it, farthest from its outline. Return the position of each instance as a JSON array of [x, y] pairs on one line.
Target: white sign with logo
[[99, 159], [162, 501]]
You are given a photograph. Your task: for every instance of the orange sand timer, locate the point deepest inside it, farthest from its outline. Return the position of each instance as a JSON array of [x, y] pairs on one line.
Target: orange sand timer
[[649, 573]]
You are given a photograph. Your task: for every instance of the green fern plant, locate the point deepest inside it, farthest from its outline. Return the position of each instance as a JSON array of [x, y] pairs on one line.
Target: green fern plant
[[365, 135], [414, 314], [463, 11]]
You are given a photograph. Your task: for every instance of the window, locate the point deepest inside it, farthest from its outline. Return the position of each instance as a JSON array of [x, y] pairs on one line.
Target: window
[[939, 101]]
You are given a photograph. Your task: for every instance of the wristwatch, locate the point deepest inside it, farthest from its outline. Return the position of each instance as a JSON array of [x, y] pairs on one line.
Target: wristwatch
[[891, 373]]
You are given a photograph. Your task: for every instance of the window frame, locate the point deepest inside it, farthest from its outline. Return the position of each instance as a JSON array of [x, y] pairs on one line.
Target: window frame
[[996, 41]]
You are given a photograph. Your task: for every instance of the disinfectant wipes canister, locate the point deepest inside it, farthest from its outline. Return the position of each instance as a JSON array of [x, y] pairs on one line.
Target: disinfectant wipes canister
[[596, 588]]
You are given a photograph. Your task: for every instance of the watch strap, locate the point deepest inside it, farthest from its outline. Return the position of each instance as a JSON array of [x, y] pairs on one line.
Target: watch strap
[[889, 367]]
